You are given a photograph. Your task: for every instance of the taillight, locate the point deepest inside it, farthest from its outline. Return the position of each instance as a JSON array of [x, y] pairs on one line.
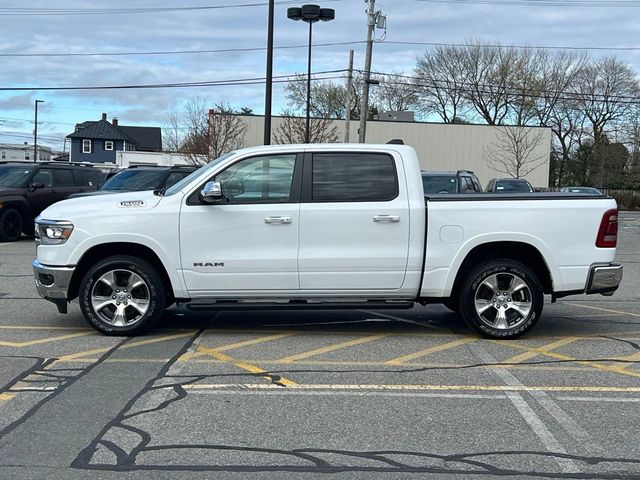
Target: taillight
[[608, 232]]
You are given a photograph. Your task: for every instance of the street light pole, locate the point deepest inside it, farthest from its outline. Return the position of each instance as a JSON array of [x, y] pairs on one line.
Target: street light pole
[[307, 126], [269, 88], [310, 14], [35, 132], [364, 107]]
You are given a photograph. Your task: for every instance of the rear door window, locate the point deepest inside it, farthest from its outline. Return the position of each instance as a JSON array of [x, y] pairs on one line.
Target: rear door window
[[44, 177], [62, 177], [353, 177]]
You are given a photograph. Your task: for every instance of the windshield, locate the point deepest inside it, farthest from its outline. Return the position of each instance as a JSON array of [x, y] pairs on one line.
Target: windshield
[[188, 179], [14, 175], [135, 180], [513, 186], [439, 184]]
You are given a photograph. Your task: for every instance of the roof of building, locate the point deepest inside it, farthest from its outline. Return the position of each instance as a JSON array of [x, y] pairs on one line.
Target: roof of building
[[145, 138]]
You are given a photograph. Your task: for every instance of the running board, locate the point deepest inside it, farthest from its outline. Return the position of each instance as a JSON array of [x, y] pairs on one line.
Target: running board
[[297, 304]]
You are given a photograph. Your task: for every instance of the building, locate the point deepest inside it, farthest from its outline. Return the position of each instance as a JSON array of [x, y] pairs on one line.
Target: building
[[164, 159], [439, 146], [98, 142], [23, 152]]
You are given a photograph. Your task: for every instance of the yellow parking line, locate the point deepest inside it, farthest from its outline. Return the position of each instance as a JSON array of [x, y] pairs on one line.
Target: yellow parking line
[[5, 397], [550, 346], [245, 343], [331, 348], [223, 357], [394, 387], [81, 355], [429, 351], [619, 312], [43, 340], [599, 366], [630, 358]]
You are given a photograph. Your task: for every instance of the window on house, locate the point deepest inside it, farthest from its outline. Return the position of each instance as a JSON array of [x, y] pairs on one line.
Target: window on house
[[26, 155], [4, 155], [108, 145], [86, 146]]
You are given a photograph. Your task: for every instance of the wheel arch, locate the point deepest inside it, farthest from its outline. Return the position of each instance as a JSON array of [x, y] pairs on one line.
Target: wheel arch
[[105, 250], [522, 252]]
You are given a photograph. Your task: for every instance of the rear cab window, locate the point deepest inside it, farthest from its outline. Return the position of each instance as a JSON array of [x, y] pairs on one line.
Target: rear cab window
[[352, 177]]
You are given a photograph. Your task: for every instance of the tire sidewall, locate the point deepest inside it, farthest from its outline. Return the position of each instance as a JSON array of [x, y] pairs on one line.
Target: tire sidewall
[[478, 275], [3, 235], [141, 268]]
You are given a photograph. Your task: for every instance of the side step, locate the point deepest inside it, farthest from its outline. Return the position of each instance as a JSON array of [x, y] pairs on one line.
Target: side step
[[200, 305]]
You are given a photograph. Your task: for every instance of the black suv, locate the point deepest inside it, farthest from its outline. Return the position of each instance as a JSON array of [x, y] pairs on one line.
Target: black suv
[[509, 185], [461, 181], [28, 188], [141, 177]]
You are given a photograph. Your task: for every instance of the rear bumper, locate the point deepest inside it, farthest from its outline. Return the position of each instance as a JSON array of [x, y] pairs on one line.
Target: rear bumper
[[604, 278], [52, 283]]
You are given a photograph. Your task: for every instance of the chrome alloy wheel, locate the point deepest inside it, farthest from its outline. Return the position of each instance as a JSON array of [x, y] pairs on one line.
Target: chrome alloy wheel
[[503, 301], [120, 297]]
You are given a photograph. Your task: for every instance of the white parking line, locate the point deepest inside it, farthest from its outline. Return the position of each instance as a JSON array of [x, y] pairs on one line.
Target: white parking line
[[599, 399]]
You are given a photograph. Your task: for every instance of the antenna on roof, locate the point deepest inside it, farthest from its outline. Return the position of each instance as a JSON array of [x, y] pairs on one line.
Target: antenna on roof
[[396, 141]]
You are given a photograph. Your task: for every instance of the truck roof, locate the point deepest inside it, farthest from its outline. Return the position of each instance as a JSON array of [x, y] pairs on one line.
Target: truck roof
[[328, 147]]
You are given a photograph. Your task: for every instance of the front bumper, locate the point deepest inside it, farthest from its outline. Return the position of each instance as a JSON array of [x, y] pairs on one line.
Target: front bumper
[[52, 283], [604, 279]]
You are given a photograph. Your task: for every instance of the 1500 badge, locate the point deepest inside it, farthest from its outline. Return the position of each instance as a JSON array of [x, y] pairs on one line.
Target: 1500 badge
[[208, 264]]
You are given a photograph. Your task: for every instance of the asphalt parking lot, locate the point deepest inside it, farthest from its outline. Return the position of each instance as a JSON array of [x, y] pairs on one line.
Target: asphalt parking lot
[[311, 394]]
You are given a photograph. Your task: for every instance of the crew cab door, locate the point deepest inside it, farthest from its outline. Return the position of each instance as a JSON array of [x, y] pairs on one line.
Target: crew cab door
[[354, 222], [248, 242]]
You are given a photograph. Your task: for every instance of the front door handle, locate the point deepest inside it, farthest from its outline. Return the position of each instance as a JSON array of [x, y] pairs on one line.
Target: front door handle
[[277, 220], [386, 218]]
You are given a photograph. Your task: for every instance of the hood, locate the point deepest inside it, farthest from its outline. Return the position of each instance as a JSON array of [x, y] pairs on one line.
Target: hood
[[101, 205], [6, 191]]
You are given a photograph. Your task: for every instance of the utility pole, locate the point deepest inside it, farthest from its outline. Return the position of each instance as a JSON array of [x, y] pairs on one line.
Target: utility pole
[[364, 108], [269, 79], [35, 132], [347, 122]]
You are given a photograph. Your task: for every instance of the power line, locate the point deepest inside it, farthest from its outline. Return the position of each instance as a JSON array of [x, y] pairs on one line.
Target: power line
[[327, 44], [214, 83], [543, 3], [172, 52], [524, 47], [512, 90], [11, 11]]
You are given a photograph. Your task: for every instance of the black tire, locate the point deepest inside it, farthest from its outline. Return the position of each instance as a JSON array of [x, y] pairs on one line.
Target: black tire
[[10, 225], [507, 310], [124, 269]]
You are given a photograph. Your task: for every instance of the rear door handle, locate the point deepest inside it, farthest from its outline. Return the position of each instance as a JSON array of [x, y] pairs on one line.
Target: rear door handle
[[386, 218], [277, 220]]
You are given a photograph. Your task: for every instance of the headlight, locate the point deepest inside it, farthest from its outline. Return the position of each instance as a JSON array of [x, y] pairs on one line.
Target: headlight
[[53, 232]]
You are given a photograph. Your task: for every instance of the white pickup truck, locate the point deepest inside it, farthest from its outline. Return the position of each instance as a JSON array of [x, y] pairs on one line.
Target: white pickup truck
[[325, 226]]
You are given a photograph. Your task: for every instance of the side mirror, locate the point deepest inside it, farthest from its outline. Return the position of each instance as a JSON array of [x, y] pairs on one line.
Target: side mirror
[[36, 185], [211, 192]]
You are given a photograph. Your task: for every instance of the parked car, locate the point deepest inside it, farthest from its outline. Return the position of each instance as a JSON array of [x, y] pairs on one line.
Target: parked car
[[461, 181], [28, 188], [140, 177], [350, 229], [585, 190], [509, 185]]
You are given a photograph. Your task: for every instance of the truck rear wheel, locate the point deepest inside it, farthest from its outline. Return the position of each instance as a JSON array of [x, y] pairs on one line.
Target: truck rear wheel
[[122, 295], [10, 225], [501, 299]]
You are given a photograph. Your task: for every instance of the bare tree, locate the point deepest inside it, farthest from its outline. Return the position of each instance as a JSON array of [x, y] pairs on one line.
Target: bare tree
[[226, 131], [201, 133], [441, 82], [394, 93], [328, 99], [514, 151], [292, 130]]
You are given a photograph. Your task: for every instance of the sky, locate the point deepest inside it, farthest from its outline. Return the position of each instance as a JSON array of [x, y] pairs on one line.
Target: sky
[[62, 28]]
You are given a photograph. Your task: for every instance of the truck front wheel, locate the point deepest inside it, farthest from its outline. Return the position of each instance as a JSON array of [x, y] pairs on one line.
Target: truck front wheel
[[501, 299], [122, 295]]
